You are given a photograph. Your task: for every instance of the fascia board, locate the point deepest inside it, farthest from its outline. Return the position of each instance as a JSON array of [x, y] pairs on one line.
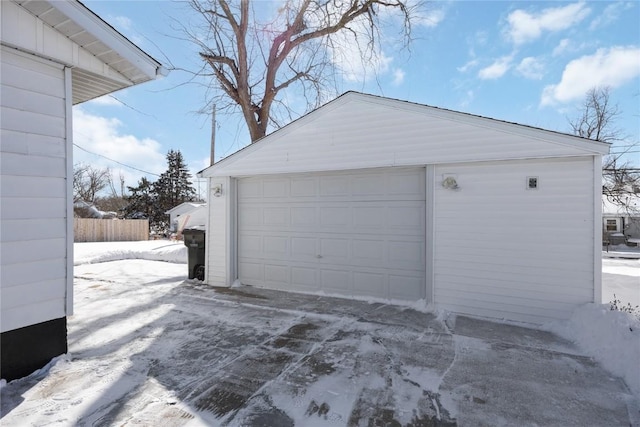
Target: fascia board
[[94, 25]]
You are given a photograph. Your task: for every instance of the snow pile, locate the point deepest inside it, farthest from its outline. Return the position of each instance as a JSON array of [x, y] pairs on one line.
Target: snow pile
[[152, 250], [611, 337]]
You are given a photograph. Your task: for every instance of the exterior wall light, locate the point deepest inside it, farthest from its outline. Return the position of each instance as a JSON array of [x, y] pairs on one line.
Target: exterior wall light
[[450, 183], [217, 190]]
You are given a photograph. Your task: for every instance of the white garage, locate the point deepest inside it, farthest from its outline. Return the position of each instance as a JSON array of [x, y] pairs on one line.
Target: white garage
[[374, 198], [357, 233]]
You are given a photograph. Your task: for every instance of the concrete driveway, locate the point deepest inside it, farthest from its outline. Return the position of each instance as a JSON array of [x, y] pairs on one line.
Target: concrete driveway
[[172, 352]]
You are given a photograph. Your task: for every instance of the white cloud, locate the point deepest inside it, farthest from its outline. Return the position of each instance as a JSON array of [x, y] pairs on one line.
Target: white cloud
[[106, 100], [357, 62], [531, 68], [613, 67], [610, 14], [431, 19], [398, 77], [525, 27], [497, 69], [103, 136], [562, 47], [469, 65], [121, 22], [468, 98]]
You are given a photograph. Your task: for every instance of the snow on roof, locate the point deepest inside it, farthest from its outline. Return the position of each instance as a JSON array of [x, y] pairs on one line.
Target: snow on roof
[[631, 207]]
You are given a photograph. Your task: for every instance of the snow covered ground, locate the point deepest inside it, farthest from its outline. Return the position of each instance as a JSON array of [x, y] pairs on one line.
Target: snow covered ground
[[148, 347]]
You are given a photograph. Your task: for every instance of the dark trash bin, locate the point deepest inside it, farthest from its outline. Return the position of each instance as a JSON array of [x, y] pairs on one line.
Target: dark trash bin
[[194, 240]]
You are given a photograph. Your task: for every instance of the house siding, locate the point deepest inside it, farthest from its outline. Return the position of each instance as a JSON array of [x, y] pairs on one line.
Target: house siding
[[343, 134], [25, 31], [220, 257], [502, 250], [33, 191]]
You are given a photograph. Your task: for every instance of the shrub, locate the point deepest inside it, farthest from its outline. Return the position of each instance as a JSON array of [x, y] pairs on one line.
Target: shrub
[[616, 305]]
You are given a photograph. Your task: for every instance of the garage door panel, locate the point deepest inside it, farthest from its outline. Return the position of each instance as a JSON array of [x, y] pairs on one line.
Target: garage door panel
[[334, 249], [351, 233], [407, 184], [250, 216], [369, 185], [405, 287], [251, 244], [369, 252], [250, 189], [370, 216], [304, 248], [304, 278], [409, 217], [275, 216], [276, 273], [303, 216], [404, 254], [369, 284], [335, 216], [252, 273], [337, 281], [275, 188], [276, 247], [334, 185], [304, 187]]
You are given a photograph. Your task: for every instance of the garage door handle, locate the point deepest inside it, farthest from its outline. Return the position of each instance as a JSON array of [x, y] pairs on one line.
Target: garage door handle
[[318, 256]]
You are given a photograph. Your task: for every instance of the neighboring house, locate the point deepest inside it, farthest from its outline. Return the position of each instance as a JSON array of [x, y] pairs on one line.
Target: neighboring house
[[179, 211], [370, 197], [621, 222], [54, 54]]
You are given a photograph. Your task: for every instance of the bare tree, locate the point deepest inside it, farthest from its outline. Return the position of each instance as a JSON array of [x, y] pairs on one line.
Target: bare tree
[[598, 116], [621, 179], [253, 62], [88, 182]]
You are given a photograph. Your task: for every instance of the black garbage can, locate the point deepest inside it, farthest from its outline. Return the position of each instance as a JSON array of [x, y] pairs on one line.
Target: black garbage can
[[194, 240]]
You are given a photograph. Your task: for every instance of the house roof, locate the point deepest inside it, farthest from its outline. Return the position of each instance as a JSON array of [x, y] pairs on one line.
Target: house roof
[[359, 130], [631, 207], [127, 64], [184, 207]]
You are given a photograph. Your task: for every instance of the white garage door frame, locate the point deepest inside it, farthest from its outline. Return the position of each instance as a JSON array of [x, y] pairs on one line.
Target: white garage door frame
[[426, 233]]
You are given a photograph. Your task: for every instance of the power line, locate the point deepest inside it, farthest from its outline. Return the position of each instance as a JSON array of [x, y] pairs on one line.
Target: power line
[[132, 108], [115, 161]]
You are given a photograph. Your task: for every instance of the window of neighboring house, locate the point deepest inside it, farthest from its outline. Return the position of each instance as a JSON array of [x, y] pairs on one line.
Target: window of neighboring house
[[611, 224]]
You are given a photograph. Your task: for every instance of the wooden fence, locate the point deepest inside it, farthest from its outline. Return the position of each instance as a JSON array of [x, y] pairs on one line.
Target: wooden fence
[[110, 230]]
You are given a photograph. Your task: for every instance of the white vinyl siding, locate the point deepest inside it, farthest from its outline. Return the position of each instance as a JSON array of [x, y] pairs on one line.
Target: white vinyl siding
[[358, 233], [502, 250], [33, 208], [218, 265], [359, 131]]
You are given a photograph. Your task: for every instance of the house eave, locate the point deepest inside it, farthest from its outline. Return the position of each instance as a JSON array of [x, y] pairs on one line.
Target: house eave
[[124, 63]]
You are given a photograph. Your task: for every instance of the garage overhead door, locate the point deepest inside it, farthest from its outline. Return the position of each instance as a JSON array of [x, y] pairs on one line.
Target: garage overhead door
[[351, 233]]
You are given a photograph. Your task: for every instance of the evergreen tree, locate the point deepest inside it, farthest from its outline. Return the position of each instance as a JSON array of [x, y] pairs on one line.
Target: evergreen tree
[[174, 185], [141, 200], [152, 199]]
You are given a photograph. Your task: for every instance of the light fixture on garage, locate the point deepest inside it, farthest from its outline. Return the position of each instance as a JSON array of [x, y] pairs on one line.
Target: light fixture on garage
[[216, 190], [449, 182]]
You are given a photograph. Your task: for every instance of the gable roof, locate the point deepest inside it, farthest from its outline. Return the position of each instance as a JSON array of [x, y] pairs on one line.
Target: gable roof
[[358, 130], [102, 59], [184, 207]]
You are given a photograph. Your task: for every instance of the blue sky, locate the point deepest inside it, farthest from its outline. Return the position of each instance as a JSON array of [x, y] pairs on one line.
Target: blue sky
[[519, 61]]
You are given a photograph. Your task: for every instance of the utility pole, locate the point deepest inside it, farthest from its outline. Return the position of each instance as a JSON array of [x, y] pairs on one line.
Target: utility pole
[[213, 135]]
